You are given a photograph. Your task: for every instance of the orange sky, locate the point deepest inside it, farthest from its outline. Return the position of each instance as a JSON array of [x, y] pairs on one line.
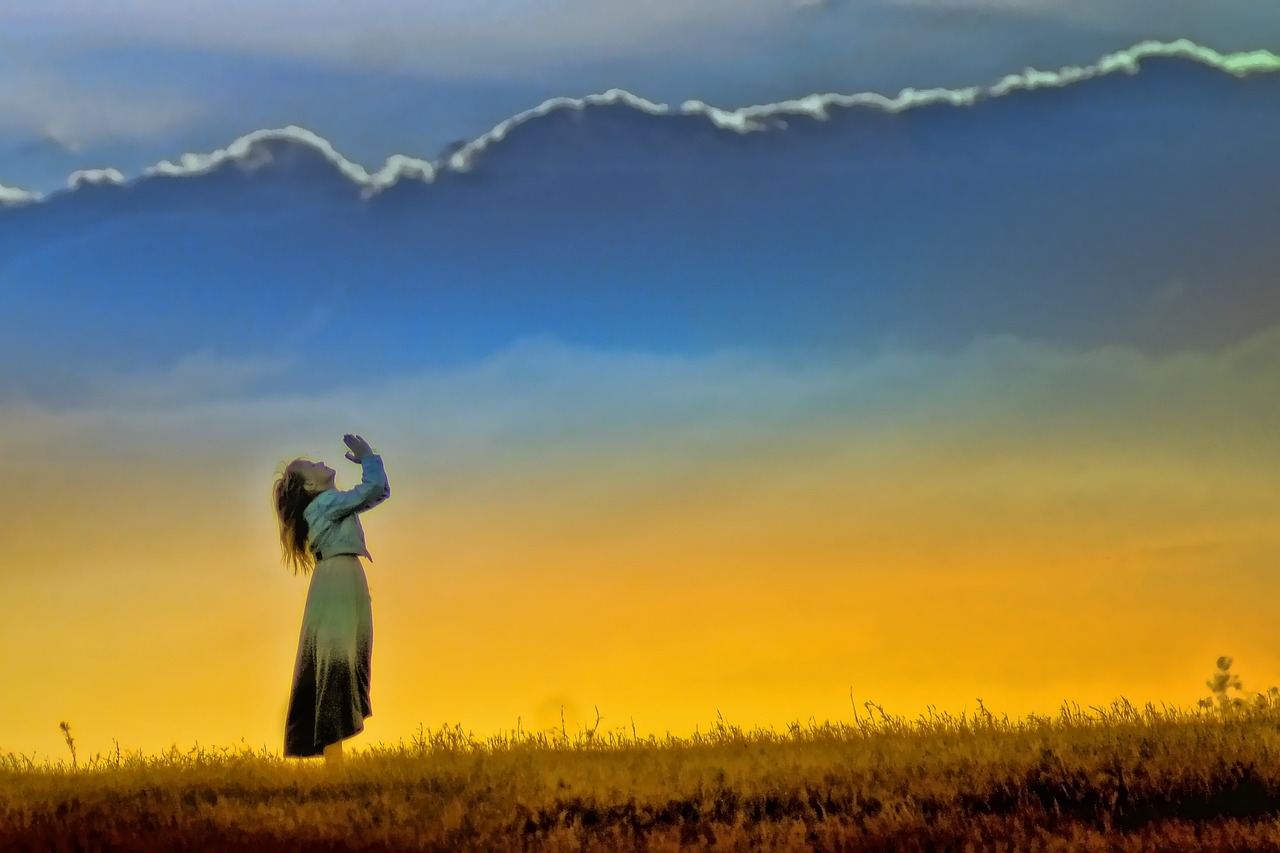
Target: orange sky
[[666, 539]]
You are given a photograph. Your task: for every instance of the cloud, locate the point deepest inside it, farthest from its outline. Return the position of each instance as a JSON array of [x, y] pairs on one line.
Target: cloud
[[1241, 64], [445, 37], [248, 149], [75, 114], [520, 37], [199, 377], [13, 196], [1129, 61], [95, 176], [1007, 396]]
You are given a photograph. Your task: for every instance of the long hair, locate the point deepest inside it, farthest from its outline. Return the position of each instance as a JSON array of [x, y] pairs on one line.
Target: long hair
[[291, 499]]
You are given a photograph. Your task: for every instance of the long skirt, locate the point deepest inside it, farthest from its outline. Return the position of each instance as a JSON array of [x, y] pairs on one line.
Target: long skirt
[[329, 699]]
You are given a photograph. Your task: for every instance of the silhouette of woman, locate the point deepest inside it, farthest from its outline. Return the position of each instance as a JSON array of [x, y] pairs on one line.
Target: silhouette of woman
[[321, 534]]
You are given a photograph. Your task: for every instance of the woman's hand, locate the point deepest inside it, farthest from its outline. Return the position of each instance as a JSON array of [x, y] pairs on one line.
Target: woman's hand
[[359, 447]]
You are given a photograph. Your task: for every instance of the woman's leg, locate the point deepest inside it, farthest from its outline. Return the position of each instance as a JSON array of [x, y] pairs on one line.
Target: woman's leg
[[333, 755]]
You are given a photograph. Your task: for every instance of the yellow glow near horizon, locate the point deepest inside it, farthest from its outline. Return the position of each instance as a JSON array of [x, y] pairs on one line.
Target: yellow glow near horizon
[[959, 547]]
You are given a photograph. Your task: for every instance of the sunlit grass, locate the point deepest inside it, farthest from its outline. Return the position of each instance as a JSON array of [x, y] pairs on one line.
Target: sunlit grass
[[1114, 777]]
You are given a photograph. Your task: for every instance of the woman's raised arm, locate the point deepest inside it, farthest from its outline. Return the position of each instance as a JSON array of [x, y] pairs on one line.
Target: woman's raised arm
[[374, 487]]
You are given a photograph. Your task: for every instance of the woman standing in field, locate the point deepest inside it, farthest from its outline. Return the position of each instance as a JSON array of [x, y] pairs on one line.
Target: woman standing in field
[[320, 533]]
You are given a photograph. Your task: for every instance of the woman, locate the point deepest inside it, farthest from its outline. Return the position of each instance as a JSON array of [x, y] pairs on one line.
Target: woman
[[320, 533]]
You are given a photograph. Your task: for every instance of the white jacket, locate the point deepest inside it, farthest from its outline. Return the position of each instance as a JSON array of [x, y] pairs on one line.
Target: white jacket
[[333, 515]]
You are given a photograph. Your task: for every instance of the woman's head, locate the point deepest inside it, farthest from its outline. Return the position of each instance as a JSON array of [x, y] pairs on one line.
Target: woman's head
[[293, 491], [316, 476]]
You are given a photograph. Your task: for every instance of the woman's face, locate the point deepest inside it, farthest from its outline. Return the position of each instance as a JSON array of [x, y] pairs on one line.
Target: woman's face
[[315, 475]]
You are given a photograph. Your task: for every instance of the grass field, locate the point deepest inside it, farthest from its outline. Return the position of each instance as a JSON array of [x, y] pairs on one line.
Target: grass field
[[1115, 778]]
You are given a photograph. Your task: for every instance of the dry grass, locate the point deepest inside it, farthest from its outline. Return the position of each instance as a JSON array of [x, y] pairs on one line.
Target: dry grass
[[1116, 778]]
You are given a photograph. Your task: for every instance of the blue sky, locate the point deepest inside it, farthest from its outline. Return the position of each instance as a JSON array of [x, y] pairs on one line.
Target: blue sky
[[1124, 209], [124, 85], [991, 381]]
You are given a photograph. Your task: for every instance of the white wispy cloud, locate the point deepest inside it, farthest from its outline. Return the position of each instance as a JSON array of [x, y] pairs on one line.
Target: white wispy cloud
[[1241, 64], [14, 196], [246, 149], [1129, 61], [95, 176], [197, 377], [540, 391]]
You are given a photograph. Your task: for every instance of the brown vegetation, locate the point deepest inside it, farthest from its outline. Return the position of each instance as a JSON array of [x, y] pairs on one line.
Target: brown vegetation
[[1115, 778]]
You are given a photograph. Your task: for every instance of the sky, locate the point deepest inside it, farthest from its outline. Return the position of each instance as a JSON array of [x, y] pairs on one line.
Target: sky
[[972, 399], [131, 83]]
